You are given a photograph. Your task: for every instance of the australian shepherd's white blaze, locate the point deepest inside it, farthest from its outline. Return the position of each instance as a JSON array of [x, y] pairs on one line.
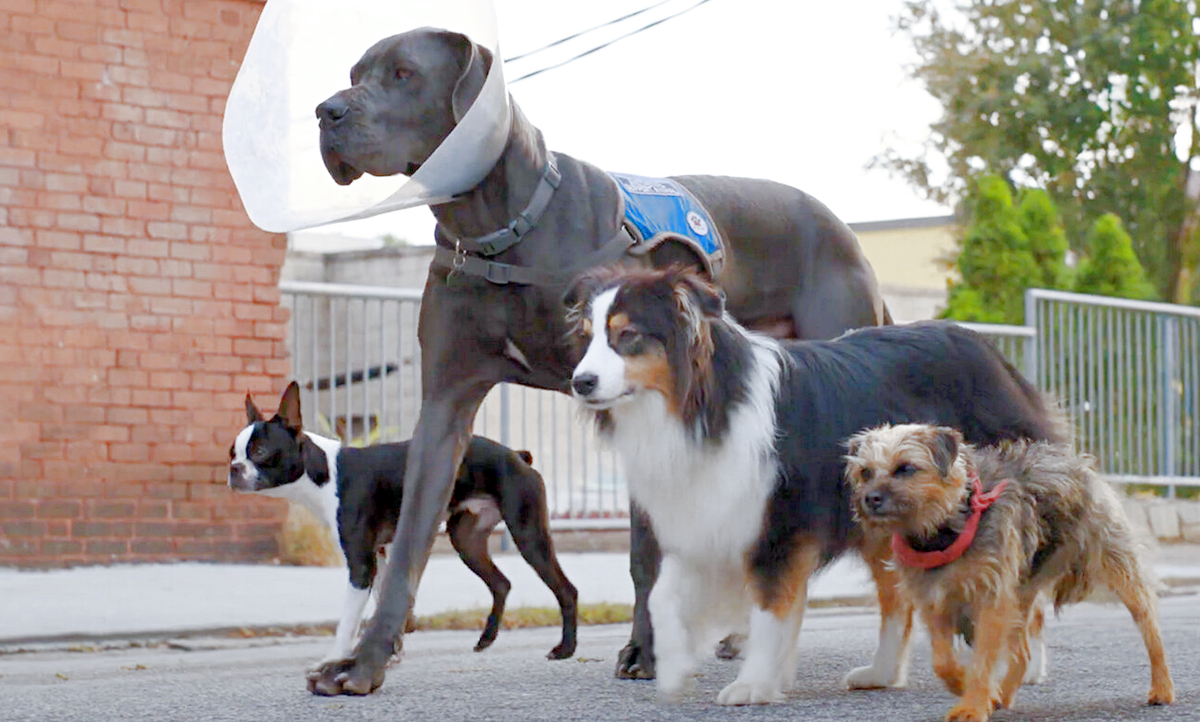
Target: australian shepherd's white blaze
[[732, 444]]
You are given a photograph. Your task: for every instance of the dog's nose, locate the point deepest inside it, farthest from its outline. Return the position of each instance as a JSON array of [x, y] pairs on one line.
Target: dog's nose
[[874, 500], [236, 471], [333, 110], [585, 384]]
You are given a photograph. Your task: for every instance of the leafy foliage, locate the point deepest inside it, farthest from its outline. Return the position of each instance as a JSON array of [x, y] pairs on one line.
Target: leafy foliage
[[996, 264], [1112, 268], [1093, 100]]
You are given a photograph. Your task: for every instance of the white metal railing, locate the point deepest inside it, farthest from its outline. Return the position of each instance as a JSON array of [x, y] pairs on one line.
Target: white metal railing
[[1127, 373], [354, 352]]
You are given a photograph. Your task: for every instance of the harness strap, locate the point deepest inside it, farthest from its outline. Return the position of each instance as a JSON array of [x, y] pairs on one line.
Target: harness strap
[[505, 273], [499, 241], [909, 557]]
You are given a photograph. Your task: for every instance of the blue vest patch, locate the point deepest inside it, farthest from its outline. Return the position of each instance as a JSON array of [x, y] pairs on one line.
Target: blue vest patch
[[660, 209]]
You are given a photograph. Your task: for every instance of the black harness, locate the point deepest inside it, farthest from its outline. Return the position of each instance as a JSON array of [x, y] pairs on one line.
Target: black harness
[[472, 256]]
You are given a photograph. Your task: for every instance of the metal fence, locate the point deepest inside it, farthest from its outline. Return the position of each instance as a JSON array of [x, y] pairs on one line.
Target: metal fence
[[354, 352], [1127, 373]]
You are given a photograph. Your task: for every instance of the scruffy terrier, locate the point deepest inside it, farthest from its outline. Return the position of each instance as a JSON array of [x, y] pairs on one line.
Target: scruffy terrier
[[979, 533]]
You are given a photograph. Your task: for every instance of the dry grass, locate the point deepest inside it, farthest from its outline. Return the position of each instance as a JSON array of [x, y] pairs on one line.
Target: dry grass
[[305, 541], [522, 617]]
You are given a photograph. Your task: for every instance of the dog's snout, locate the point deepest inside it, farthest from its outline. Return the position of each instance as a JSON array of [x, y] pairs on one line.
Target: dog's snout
[[585, 384], [333, 109], [874, 500]]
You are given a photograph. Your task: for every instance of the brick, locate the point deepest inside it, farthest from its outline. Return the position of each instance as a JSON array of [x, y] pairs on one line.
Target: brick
[[16, 510], [107, 547], [23, 528], [61, 548], [152, 547], [55, 509], [101, 528]]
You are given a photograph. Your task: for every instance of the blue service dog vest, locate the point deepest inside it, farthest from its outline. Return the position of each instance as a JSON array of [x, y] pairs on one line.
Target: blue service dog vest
[[660, 209]]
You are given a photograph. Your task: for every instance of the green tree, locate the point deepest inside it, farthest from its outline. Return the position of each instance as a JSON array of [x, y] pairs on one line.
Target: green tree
[[1047, 240], [1093, 100], [1112, 268], [995, 263]]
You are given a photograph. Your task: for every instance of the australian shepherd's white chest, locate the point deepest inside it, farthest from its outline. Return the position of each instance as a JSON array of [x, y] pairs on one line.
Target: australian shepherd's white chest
[[690, 408]]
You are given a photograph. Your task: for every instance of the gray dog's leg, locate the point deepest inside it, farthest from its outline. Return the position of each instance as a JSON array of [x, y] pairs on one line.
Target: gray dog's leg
[[636, 660]]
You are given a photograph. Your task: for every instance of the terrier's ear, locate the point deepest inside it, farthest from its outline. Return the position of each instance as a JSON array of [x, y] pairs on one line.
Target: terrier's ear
[[289, 408], [252, 412], [316, 465], [853, 444], [944, 448], [526, 457]]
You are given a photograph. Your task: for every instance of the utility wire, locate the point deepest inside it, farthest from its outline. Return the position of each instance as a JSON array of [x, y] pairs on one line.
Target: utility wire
[[560, 41], [631, 33]]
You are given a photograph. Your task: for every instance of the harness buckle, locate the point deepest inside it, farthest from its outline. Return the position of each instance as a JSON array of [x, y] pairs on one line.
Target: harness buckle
[[497, 273], [460, 257]]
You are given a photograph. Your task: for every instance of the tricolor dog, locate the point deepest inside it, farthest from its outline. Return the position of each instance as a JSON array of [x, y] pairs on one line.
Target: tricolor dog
[[732, 443], [357, 491]]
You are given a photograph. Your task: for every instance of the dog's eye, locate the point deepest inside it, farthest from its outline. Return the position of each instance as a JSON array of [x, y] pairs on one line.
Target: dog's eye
[[629, 336], [904, 470], [403, 74], [866, 473]]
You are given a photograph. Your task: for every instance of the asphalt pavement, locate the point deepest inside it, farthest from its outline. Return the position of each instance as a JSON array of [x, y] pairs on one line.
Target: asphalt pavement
[[1098, 672]]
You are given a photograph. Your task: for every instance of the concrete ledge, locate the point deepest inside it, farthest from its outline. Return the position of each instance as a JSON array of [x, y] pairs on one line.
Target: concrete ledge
[[1164, 520]]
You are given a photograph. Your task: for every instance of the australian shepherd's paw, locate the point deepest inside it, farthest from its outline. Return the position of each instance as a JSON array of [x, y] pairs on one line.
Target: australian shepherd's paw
[[871, 678], [750, 692]]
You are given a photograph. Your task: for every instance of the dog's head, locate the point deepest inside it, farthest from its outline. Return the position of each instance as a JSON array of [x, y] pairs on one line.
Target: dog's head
[[909, 478], [268, 456], [639, 332], [406, 94]]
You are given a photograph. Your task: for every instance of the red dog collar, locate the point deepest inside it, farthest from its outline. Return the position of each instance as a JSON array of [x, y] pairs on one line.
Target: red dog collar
[[910, 557]]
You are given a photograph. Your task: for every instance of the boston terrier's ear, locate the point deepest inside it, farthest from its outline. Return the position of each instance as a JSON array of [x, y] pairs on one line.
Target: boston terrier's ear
[[316, 465], [252, 412], [526, 457], [289, 408]]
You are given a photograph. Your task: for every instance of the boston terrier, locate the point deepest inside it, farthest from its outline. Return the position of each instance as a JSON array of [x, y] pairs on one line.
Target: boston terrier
[[357, 491]]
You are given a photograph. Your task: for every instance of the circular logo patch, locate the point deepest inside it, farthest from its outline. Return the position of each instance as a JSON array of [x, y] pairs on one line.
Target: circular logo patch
[[697, 223]]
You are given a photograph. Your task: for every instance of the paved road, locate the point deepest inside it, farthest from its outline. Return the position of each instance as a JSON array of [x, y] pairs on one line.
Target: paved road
[[1098, 672]]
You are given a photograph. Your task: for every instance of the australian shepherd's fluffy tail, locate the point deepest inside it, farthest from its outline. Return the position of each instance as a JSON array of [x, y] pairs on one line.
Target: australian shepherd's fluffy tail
[[733, 445]]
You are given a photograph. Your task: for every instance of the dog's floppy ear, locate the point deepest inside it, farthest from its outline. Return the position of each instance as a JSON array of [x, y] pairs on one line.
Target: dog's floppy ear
[[289, 408], [944, 448], [705, 297], [526, 457], [252, 412], [580, 289], [316, 465], [854, 443], [475, 62]]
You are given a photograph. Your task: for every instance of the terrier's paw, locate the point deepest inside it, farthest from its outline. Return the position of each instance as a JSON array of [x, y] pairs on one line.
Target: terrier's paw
[[742, 692], [963, 713], [1162, 694]]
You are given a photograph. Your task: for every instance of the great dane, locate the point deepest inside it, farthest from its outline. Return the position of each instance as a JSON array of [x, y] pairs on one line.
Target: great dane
[[792, 269]]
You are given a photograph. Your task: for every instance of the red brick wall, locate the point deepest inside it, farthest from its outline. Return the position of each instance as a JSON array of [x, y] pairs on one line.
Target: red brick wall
[[137, 302]]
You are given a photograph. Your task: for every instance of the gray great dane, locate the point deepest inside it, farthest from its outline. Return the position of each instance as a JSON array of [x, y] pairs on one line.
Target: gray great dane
[[792, 269]]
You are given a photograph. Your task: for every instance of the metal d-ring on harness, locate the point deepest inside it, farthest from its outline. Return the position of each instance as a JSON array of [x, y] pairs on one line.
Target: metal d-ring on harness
[[471, 256]]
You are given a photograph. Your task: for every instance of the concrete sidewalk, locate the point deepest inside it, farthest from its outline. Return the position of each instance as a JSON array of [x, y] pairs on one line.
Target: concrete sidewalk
[[167, 599]]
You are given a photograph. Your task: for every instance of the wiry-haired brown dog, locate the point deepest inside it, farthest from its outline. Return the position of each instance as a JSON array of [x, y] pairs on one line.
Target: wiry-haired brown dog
[[983, 532]]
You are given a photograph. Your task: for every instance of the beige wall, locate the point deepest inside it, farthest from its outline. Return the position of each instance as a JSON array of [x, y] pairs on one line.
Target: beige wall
[[908, 257]]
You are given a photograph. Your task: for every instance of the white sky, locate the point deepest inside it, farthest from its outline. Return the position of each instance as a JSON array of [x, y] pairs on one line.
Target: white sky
[[798, 91]]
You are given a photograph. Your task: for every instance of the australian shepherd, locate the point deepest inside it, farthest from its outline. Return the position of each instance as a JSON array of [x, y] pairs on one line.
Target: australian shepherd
[[733, 445]]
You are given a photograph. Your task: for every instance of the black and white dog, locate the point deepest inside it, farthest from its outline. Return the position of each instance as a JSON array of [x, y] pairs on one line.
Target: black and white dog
[[733, 445], [357, 491]]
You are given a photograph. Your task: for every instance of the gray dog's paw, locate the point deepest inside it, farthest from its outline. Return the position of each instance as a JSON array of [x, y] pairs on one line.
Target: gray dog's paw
[[635, 662], [344, 676]]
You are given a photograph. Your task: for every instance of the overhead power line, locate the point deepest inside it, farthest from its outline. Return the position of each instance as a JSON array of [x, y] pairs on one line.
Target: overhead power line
[[581, 33], [586, 53]]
